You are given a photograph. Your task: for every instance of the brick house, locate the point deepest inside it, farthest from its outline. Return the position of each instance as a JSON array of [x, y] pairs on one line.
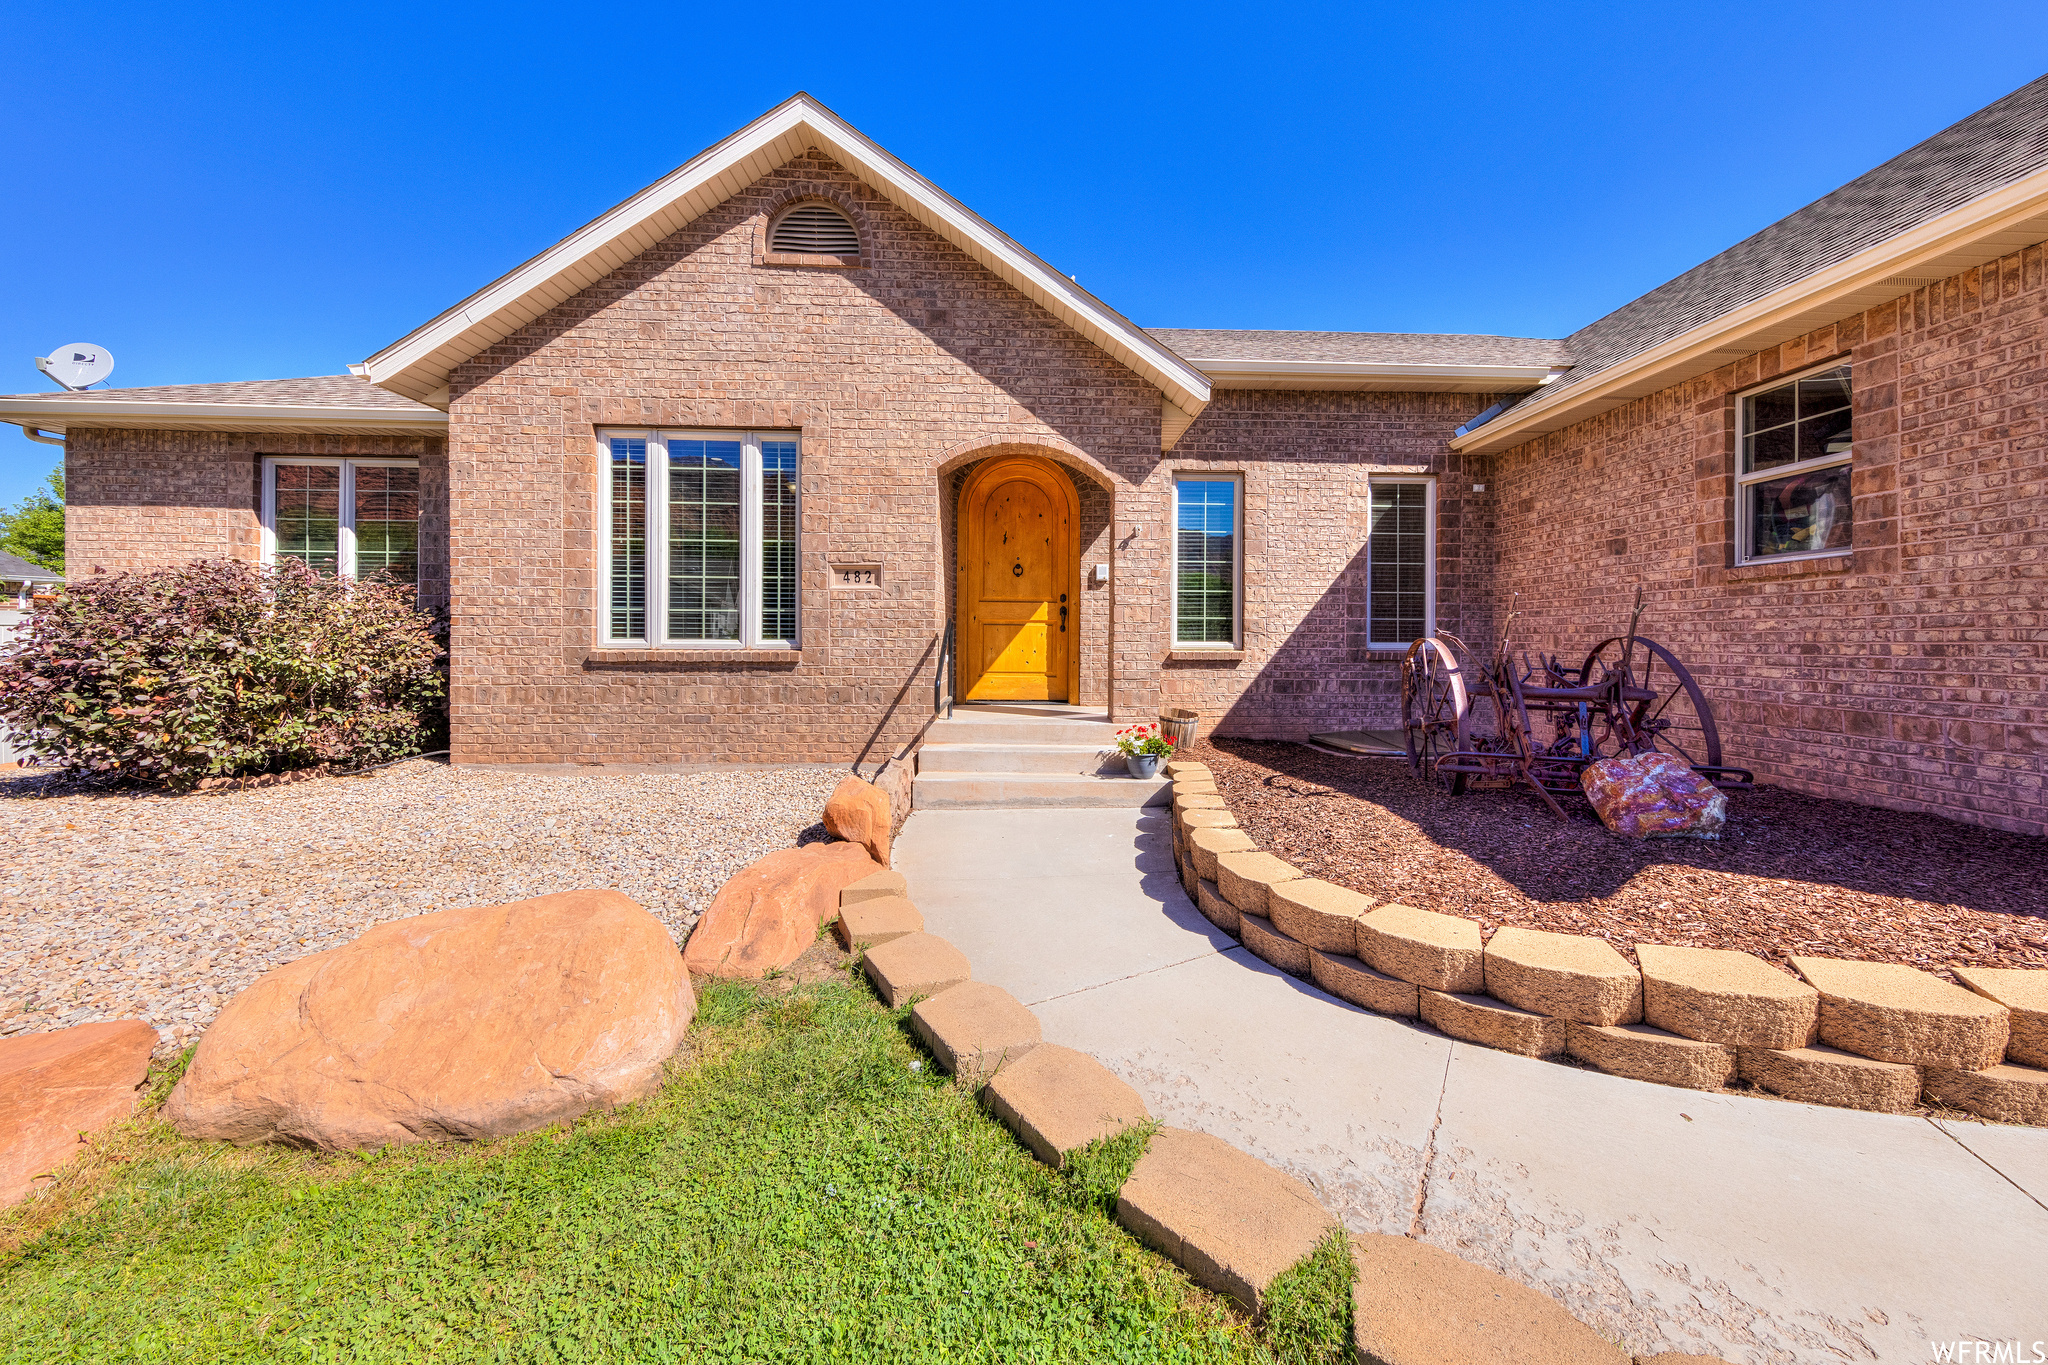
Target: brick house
[[1820, 454]]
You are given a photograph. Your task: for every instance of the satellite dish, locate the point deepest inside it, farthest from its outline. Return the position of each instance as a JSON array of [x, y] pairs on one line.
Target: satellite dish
[[77, 366]]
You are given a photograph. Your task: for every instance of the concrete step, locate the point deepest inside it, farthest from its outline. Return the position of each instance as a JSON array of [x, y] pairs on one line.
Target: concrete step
[[941, 791], [967, 727], [1017, 758]]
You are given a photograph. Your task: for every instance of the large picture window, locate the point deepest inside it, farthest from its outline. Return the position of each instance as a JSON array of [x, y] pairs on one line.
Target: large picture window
[[699, 539], [1400, 563], [343, 516], [1792, 475], [1206, 525]]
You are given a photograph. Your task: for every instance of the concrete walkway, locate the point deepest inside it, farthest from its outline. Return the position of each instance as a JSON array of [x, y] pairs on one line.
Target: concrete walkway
[[1750, 1228]]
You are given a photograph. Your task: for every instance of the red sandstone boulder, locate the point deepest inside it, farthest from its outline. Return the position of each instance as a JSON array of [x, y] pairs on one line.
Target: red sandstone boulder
[[771, 910], [858, 812], [462, 1024], [56, 1086], [1654, 796], [894, 782]]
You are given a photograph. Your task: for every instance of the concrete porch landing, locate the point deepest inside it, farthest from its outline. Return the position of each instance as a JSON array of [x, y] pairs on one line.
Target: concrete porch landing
[[1750, 1228], [1023, 754]]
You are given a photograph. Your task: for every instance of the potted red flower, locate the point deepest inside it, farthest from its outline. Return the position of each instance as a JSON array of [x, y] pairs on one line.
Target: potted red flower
[[1143, 748]]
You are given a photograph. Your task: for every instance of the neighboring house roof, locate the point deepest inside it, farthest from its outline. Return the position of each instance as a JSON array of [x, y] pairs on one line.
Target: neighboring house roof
[[15, 569], [1973, 192], [1407, 361], [418, 364], [329, 403]]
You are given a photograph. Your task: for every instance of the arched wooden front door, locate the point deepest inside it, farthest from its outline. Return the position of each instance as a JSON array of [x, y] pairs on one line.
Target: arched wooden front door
[[1020, 582]]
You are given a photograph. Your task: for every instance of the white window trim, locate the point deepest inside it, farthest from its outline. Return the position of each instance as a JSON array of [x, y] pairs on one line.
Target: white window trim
[[1236, 641], [1428, 481], [1744, 482], [345, 560], [657, 538]]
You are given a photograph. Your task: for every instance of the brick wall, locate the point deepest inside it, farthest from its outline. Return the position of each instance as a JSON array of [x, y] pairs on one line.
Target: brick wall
[[896, 373], [142, 499], [1306, 459], [1908, 674]]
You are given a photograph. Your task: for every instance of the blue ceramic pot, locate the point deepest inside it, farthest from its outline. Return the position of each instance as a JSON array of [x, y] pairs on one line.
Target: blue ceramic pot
[[1143, 765]]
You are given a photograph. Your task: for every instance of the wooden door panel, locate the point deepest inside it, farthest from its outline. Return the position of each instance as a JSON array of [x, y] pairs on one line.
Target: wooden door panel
[[1019, 552]]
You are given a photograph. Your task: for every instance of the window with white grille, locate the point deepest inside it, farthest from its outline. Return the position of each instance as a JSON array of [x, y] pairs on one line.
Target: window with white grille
[[1400, 563], [343, 516], [814, 230]]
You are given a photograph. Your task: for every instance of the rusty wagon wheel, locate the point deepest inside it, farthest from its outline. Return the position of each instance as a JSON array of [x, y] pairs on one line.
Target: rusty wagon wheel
[[1673, 717], [1434, 706]]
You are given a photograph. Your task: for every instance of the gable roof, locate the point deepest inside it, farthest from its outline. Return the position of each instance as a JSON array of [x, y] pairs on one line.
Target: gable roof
[[338, 404], [1404, 361], [15, 569], [417, 365], [1971, 193]]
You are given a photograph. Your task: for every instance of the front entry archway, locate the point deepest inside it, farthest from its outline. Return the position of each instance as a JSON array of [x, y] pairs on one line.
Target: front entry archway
[[1019, 582]]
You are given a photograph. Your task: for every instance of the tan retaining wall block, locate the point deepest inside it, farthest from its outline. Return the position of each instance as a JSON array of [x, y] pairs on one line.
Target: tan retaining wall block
[[975, 1029], [1347, 978], [1486, 1021], [1416, 1304], [1190, 821], [1056, 1099], [2023, 992], [1178, 768], [1230, 1220], [1436, 952], [2009, 1094], [1643, 1053], [869, 923], [1275, 947], [1894, 1013], [1214, 908], [1717, 996], [914, 965], [1205, 844], [1321, 914], [1825, 1075], [1244, 879], [1194, 786], [1568, 976], [874, 886]]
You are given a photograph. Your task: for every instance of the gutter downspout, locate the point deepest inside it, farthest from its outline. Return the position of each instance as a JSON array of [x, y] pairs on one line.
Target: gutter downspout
[[36, 434]]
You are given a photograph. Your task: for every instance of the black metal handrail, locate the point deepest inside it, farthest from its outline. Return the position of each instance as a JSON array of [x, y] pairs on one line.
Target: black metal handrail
[[942, 677]]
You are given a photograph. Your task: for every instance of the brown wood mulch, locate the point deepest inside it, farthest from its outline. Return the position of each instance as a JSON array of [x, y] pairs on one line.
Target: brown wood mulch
[[1792, 874]]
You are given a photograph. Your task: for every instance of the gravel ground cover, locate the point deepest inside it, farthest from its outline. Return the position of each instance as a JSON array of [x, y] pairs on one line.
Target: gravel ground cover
[[1792, 874], [121, 905]]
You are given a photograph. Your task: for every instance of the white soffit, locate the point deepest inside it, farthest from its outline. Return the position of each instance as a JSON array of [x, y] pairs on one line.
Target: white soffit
[[419, 363], [60, 416], [1985, 229], [1227, 373]]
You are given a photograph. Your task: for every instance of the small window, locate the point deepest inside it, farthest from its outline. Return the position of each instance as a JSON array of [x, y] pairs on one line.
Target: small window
[[1792, 479], [341, 516], [702, 528], [1206, 524], [814, 230], [1400, 563]]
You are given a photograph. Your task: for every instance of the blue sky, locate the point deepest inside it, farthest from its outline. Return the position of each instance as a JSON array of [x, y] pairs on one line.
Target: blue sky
[[214, 192]]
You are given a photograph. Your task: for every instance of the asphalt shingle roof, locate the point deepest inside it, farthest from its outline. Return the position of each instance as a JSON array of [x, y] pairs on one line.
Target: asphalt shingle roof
[[1379, 348], [320, 390], [15, 569], [1992, 148]]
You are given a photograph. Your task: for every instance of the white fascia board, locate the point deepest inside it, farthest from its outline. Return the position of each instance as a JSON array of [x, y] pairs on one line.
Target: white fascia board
[[803, 122], [52, 414], [1915, 252], [1510, 376]]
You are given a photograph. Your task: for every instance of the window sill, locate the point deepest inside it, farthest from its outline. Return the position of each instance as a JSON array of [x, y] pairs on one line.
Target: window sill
[[1207, 656], [1804, 566], [805, 258], [682, 659]]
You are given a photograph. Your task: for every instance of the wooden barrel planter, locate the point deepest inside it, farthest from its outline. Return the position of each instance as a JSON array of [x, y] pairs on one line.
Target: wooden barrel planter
[[1177, 723]]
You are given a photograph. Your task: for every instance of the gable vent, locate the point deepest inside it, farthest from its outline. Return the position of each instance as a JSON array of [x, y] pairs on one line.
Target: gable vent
[[815, 230]]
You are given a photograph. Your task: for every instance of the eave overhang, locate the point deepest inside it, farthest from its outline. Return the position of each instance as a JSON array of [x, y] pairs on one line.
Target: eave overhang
[[1227, 373], [418, 364], [63, 415], [1985, 229]]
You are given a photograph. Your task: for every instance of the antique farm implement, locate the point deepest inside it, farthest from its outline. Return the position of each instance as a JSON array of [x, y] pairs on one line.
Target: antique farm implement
[[1543, 723]]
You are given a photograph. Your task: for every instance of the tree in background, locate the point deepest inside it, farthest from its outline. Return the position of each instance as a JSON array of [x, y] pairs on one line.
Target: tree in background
[[34, 529]]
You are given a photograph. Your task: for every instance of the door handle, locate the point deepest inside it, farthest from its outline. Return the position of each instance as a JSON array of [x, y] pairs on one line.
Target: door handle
[[1063, 618]]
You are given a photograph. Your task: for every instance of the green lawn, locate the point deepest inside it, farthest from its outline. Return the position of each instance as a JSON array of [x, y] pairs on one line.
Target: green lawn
[[804, 1188]]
